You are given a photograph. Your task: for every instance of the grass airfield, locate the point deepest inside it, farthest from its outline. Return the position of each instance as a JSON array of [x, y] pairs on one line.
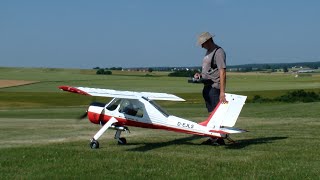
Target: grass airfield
[[41, 138]]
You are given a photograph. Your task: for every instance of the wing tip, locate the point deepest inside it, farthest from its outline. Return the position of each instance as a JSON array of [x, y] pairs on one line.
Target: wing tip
[[73, 90]]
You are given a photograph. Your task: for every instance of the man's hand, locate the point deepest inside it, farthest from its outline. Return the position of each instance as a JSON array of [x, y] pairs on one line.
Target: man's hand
[[222, 73], [197, 75], [223, 98]]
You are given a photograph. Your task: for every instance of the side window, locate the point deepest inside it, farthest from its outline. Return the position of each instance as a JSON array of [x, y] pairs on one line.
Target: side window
[[139, 112], [153, 103], [131, 107]]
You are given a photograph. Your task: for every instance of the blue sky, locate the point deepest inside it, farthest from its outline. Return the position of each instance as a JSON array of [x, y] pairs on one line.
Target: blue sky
[[144, 33]]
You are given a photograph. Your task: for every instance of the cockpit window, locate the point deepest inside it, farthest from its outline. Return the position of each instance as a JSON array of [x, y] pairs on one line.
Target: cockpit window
[[114, 104], [131, 107], [158, 107]]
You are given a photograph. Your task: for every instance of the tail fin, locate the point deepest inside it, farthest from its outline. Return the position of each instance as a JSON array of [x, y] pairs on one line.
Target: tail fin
[[225, 114]]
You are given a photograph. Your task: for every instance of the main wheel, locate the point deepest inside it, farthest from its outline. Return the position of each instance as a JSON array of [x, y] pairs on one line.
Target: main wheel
[[122, 141], [94, 144]]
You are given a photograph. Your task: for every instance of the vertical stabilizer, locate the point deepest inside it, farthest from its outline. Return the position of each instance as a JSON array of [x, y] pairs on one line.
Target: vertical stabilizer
[[226, 114]]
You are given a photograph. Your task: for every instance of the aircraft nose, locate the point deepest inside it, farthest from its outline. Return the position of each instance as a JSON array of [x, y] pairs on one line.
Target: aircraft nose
[[95, 114], [94, 117]]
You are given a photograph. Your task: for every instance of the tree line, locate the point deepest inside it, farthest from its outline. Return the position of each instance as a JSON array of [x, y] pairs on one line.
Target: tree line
[[189, 71], [312, 65], [290, 97]]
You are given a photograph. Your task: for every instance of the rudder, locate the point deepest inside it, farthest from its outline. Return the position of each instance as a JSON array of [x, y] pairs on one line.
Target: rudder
[[225, 114]]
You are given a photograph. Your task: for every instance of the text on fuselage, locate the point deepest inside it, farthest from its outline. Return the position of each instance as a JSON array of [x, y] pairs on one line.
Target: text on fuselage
[[186, 125]]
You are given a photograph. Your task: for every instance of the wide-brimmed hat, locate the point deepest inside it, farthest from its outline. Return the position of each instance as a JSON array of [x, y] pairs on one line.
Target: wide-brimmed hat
[[203, 37]]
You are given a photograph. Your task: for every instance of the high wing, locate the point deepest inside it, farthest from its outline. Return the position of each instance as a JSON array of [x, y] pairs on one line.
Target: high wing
[[120, 94]]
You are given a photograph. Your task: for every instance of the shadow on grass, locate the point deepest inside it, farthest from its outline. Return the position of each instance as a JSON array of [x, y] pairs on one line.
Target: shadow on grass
[[151, 146], [185, 141], [247, 142]]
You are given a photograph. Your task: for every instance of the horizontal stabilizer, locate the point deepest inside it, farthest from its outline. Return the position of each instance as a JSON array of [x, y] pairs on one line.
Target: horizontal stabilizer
[[120, 94], [230, 130]]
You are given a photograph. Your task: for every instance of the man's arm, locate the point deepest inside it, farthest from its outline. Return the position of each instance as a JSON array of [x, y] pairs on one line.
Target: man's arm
[[222, 73]]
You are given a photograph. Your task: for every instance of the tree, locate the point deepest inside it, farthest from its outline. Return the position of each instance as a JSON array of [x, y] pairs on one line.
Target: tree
[[100, 71], [107, 72], [183, 73]]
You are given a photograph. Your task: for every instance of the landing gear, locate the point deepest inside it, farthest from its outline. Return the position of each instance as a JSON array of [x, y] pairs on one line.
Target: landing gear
[[94, 144], [230, 140], [214, 142], [122, 141]]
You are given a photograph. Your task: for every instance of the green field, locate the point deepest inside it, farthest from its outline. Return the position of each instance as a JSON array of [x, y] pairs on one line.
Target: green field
[[41, 138]]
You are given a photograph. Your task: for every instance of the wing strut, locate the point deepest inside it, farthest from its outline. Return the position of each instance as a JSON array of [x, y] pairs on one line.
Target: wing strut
[[94, 143]]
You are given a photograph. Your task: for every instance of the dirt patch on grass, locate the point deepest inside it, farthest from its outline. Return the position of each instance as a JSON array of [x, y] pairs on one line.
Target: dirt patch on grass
[[10, 83]]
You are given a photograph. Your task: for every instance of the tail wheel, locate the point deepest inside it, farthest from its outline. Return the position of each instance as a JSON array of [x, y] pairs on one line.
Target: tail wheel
[[122, 141], [94, 144]]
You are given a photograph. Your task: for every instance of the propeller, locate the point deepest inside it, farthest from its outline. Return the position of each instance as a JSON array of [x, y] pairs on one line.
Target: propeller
[[83, 116]]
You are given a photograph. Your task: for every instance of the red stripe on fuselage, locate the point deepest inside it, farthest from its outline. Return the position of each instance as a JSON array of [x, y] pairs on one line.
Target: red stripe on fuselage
[[127, 122], [205, 123], [218, 131]]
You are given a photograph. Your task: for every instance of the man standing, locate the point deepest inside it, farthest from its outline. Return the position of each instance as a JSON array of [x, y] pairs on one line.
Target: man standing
[[213, 76]]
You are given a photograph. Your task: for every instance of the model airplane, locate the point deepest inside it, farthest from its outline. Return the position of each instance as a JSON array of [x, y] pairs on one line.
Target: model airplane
[[128, 108]]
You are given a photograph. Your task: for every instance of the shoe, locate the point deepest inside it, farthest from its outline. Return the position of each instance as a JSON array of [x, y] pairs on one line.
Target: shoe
[[220, 141], [207, 142]]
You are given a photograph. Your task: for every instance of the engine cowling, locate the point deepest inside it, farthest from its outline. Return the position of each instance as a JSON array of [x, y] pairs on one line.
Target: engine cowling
[[95, 112]]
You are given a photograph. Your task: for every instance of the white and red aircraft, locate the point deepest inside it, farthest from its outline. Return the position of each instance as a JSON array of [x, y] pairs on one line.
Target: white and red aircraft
[[128, 108]]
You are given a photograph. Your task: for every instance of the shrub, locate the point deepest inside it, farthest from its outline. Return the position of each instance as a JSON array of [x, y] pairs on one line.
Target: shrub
[[103, 72], [290, 97], [299, 96], [183, 73], [259, 99], [107, 72], [100, 71]]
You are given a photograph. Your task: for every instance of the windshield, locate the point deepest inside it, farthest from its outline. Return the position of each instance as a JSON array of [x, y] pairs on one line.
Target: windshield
[[114, 104]]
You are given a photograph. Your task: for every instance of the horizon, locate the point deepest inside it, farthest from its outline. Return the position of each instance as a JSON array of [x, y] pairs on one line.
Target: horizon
[[94, 67]]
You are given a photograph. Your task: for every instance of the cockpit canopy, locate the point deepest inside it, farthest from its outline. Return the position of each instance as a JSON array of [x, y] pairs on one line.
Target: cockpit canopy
[[132, 107]]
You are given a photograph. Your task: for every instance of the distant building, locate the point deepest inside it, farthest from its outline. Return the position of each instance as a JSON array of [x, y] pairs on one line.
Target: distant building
[[306, 71], [233, 69]]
